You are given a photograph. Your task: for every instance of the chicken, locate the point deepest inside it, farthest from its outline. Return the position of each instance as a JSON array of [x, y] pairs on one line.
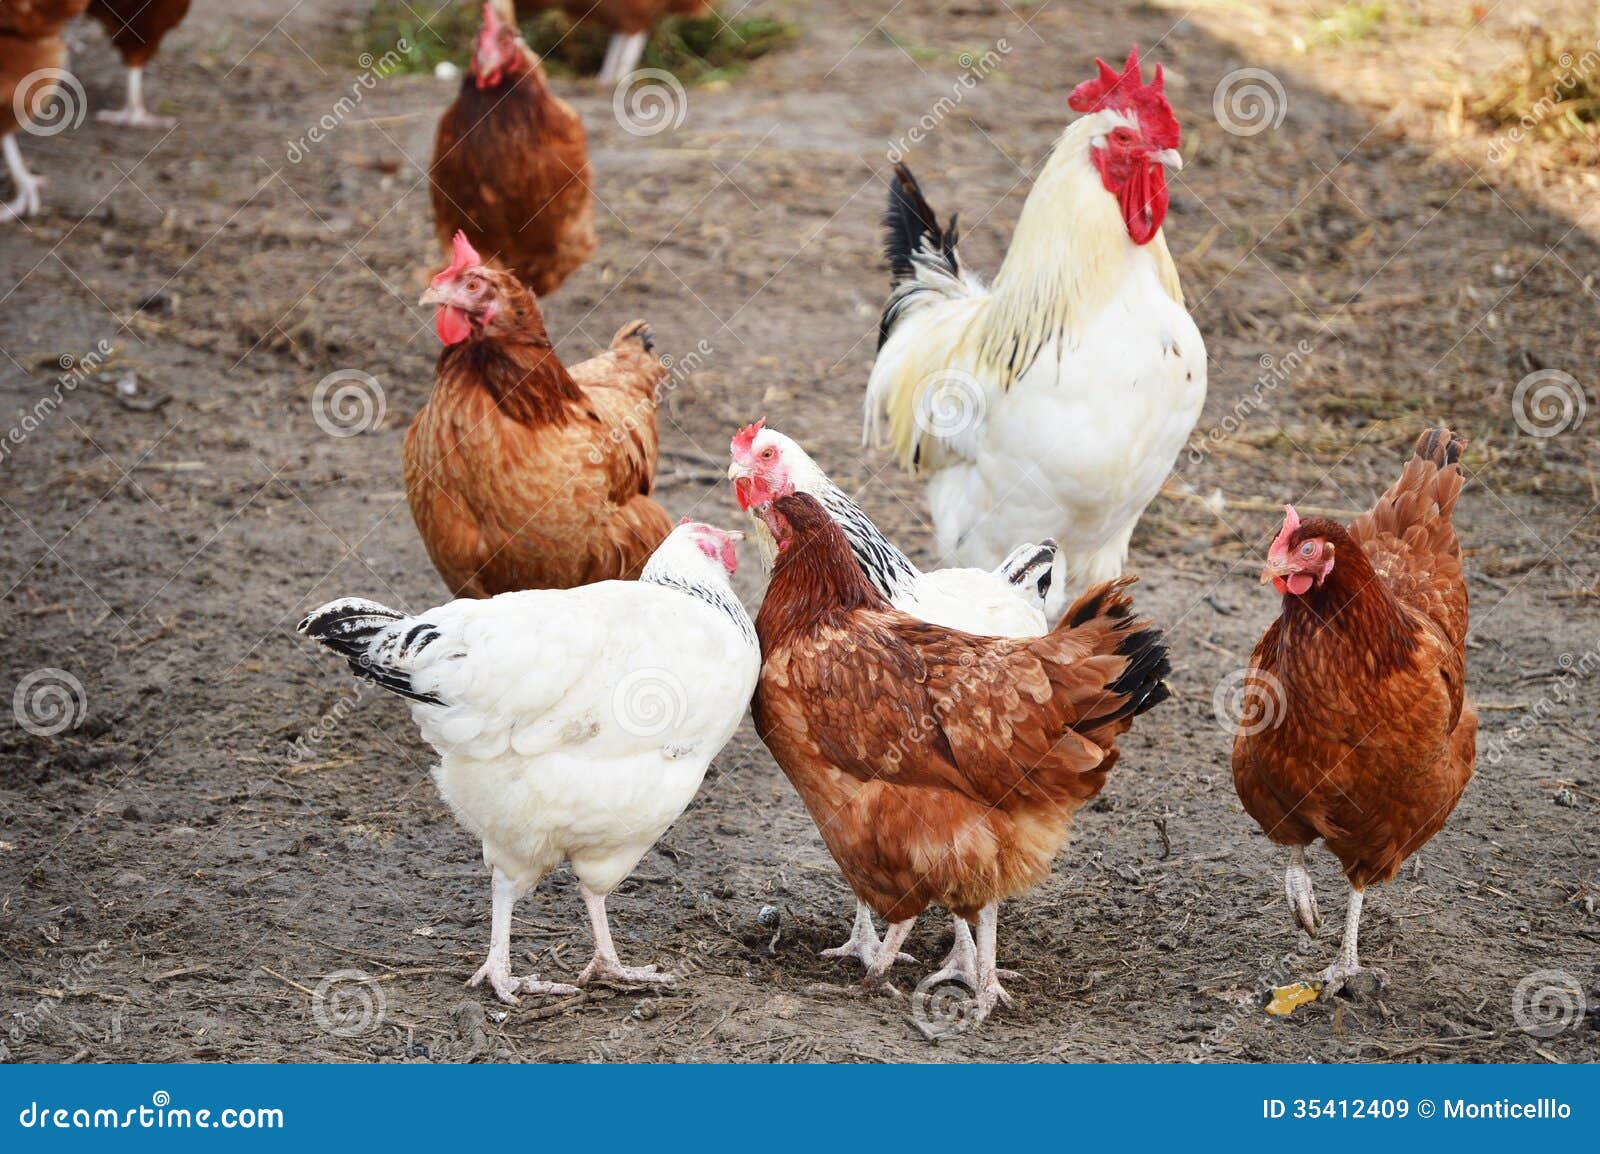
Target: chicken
[[1007, 602], [630, 22], [136, 28], [571, 724], [511, 164], [32, 59], [522, 474], [1357, 728], [1054, 401], [939, 767]]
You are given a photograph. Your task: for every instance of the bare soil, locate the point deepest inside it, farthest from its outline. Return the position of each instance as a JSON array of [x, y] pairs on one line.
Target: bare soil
[[233, 820]]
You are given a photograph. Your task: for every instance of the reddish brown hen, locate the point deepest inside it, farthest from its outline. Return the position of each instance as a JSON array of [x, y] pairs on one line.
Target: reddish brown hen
[[32, 56], [136, 28], [522, 474], [1357, 729], [940, 767], [511, 164]]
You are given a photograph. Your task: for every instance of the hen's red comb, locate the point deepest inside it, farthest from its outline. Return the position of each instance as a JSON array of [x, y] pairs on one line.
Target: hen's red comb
[[1126, 91], [745, 437], [491, 18], [465, 257], [1280, 543]]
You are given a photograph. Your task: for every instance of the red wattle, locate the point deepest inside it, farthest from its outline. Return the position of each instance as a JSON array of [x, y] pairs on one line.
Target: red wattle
[[1280, 585], [1144, 201], [1299, 583], [452, 324]]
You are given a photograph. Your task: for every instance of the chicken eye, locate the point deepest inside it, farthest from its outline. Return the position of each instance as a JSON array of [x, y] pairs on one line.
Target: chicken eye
[[1309, 549], [768, 453]]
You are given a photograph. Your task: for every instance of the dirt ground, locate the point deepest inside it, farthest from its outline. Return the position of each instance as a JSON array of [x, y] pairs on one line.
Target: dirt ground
[[237, 855]]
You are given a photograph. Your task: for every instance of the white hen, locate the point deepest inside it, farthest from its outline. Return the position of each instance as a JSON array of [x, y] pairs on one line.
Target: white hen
[[1004, 602], [1055, 400], [571, 724]]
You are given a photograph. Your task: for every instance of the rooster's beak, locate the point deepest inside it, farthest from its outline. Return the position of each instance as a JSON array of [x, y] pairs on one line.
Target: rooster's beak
[[1168, 158]]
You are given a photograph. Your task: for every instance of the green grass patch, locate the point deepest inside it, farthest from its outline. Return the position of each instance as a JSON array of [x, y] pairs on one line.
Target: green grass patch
[[1349, 23], [696, 51]]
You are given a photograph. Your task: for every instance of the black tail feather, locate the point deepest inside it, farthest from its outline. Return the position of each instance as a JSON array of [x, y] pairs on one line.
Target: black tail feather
[[350, 628], [910, 226]]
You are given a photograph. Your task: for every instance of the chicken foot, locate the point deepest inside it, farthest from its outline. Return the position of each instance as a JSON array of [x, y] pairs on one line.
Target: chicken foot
[[1302, 900], [990, 992], [863, 942], [961, 964], [27, 201], [888, 953], [498, 967], [1347, 967], [605, 966], [133, 114]]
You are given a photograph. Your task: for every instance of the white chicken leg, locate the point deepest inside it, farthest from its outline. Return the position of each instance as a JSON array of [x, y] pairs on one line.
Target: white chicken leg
[[605, 966], [623, 54], [990, 991], [27, 201], [863, 942], [1302, 899], [1347, 967], [134, 114], [498, 968]]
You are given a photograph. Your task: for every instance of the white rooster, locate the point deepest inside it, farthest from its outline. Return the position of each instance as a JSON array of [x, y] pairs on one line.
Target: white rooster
[[571, 724], [1004, 602], [1054, 401]]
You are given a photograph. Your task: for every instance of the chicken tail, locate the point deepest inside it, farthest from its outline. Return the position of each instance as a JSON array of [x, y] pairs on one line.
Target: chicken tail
[[1104, 618], [910, 227], [1030, 569], [1440, 446], [378, 643]]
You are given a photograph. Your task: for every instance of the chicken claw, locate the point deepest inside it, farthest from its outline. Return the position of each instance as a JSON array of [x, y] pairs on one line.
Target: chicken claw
[[886, 955], [863, 943], [507, 987], [605, 965], [1302, 900]]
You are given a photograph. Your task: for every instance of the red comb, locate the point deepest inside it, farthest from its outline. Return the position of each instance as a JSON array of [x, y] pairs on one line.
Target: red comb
[[491, 18], [1126, 91], [1280, 543], [745, 437], [465, 257]]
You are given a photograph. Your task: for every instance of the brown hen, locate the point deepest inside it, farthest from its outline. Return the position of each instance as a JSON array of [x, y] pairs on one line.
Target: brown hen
[[136, 28], [939, 766], [32, 59], [511, 165], [522, 474], [1357, 729]]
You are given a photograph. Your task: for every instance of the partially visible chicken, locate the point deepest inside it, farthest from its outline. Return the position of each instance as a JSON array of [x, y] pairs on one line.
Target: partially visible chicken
[[630, 22], [32, 58], [136, 28], [522, 474], [1005, 602], [939, 767], [511, 164], [1357, 728], [1055, 401], [571, 724]]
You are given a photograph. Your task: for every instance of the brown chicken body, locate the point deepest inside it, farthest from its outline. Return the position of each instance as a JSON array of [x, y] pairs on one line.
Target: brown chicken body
[[940, 767], [136, 28], [1357, 729], [31, 51], [511, 165], [520, 473]]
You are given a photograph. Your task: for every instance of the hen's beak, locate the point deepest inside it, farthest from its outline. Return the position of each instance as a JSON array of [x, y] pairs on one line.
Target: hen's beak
[[1168, 158], [1272, 570], [434, 297]]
